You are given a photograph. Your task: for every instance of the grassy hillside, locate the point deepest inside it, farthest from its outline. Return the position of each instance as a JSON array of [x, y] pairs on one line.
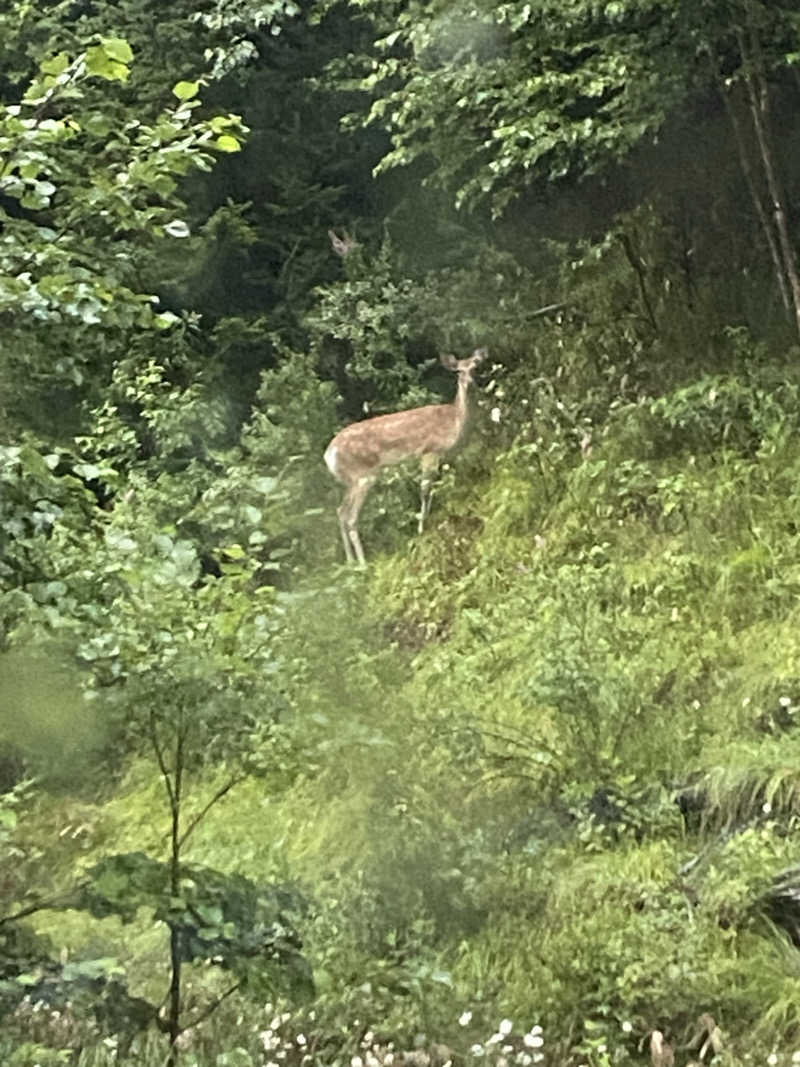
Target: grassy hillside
[[551, 754]]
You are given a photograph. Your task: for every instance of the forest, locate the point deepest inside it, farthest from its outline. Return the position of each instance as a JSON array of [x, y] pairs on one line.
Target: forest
[[524, 788]]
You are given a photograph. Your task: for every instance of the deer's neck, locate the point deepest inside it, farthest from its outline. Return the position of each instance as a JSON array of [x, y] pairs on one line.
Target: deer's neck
[[460, 403]]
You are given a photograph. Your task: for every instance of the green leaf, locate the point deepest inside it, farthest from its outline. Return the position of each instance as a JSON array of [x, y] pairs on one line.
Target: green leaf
[[177, 228], [57, 64], [87, 471], [8, 819], [94, 969], [186, 90], [117, 48], [100, 64], [226, 143]]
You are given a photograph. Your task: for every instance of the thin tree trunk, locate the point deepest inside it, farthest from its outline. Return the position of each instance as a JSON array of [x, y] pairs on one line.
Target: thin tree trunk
[[174, 1011], [755, 196], [759, 110], [636, 263]]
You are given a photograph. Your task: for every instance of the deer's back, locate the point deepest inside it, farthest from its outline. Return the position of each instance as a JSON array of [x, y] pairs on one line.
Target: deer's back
[[364, 446]]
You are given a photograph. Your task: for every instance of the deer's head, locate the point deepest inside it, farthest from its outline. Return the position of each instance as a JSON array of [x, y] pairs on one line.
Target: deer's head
[[465, 367]]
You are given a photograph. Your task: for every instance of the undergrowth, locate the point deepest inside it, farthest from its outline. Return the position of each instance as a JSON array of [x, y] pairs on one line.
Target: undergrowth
[[552, 761]]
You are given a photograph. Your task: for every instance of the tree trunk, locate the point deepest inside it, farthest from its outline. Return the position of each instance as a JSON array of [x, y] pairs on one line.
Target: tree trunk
[[755, 196], [636, 263], [174, 995], [758, 94]]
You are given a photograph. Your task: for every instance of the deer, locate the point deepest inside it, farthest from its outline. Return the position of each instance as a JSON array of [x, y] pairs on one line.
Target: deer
[[661, 1054], [343, 245], [358, 453]]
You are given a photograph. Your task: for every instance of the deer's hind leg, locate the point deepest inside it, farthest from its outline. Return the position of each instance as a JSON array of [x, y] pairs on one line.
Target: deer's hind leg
[[348, 519], [341, 511]]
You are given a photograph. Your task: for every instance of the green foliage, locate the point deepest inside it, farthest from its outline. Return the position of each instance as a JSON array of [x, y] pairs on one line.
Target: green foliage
[[226, 919], [533, 774], [88, 194], [500, 95]]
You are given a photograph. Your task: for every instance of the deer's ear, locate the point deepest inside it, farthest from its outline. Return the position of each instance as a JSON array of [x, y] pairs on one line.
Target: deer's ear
[[480, 354], [449, 361]]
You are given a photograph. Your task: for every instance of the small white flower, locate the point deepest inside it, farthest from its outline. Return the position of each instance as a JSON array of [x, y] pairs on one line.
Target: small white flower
[[465, 1018], [766, 807], [505, 1027], [301, 1040], [495, 1039], [627, 1027], [772, 1059], [796, 1056], [533, 1040], [601, 1049], [356, 1061], [507, 1049], [785, 702], [367, 1039], [495, 414], [388, 1059], [476, 1050]]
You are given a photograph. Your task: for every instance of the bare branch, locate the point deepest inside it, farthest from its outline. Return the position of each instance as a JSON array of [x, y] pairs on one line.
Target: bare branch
[[162, 766], [220, 793], [212, 1007], [31, 909], [635, 261]]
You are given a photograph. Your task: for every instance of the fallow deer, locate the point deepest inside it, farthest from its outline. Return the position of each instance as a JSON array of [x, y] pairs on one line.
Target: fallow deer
[[358, 452]]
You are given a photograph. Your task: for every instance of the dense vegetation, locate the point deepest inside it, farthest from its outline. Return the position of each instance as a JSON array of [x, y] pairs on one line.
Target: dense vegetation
[[527, 788]]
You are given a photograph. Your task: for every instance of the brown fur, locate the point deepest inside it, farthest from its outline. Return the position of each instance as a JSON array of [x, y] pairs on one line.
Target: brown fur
[[359, 451]]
